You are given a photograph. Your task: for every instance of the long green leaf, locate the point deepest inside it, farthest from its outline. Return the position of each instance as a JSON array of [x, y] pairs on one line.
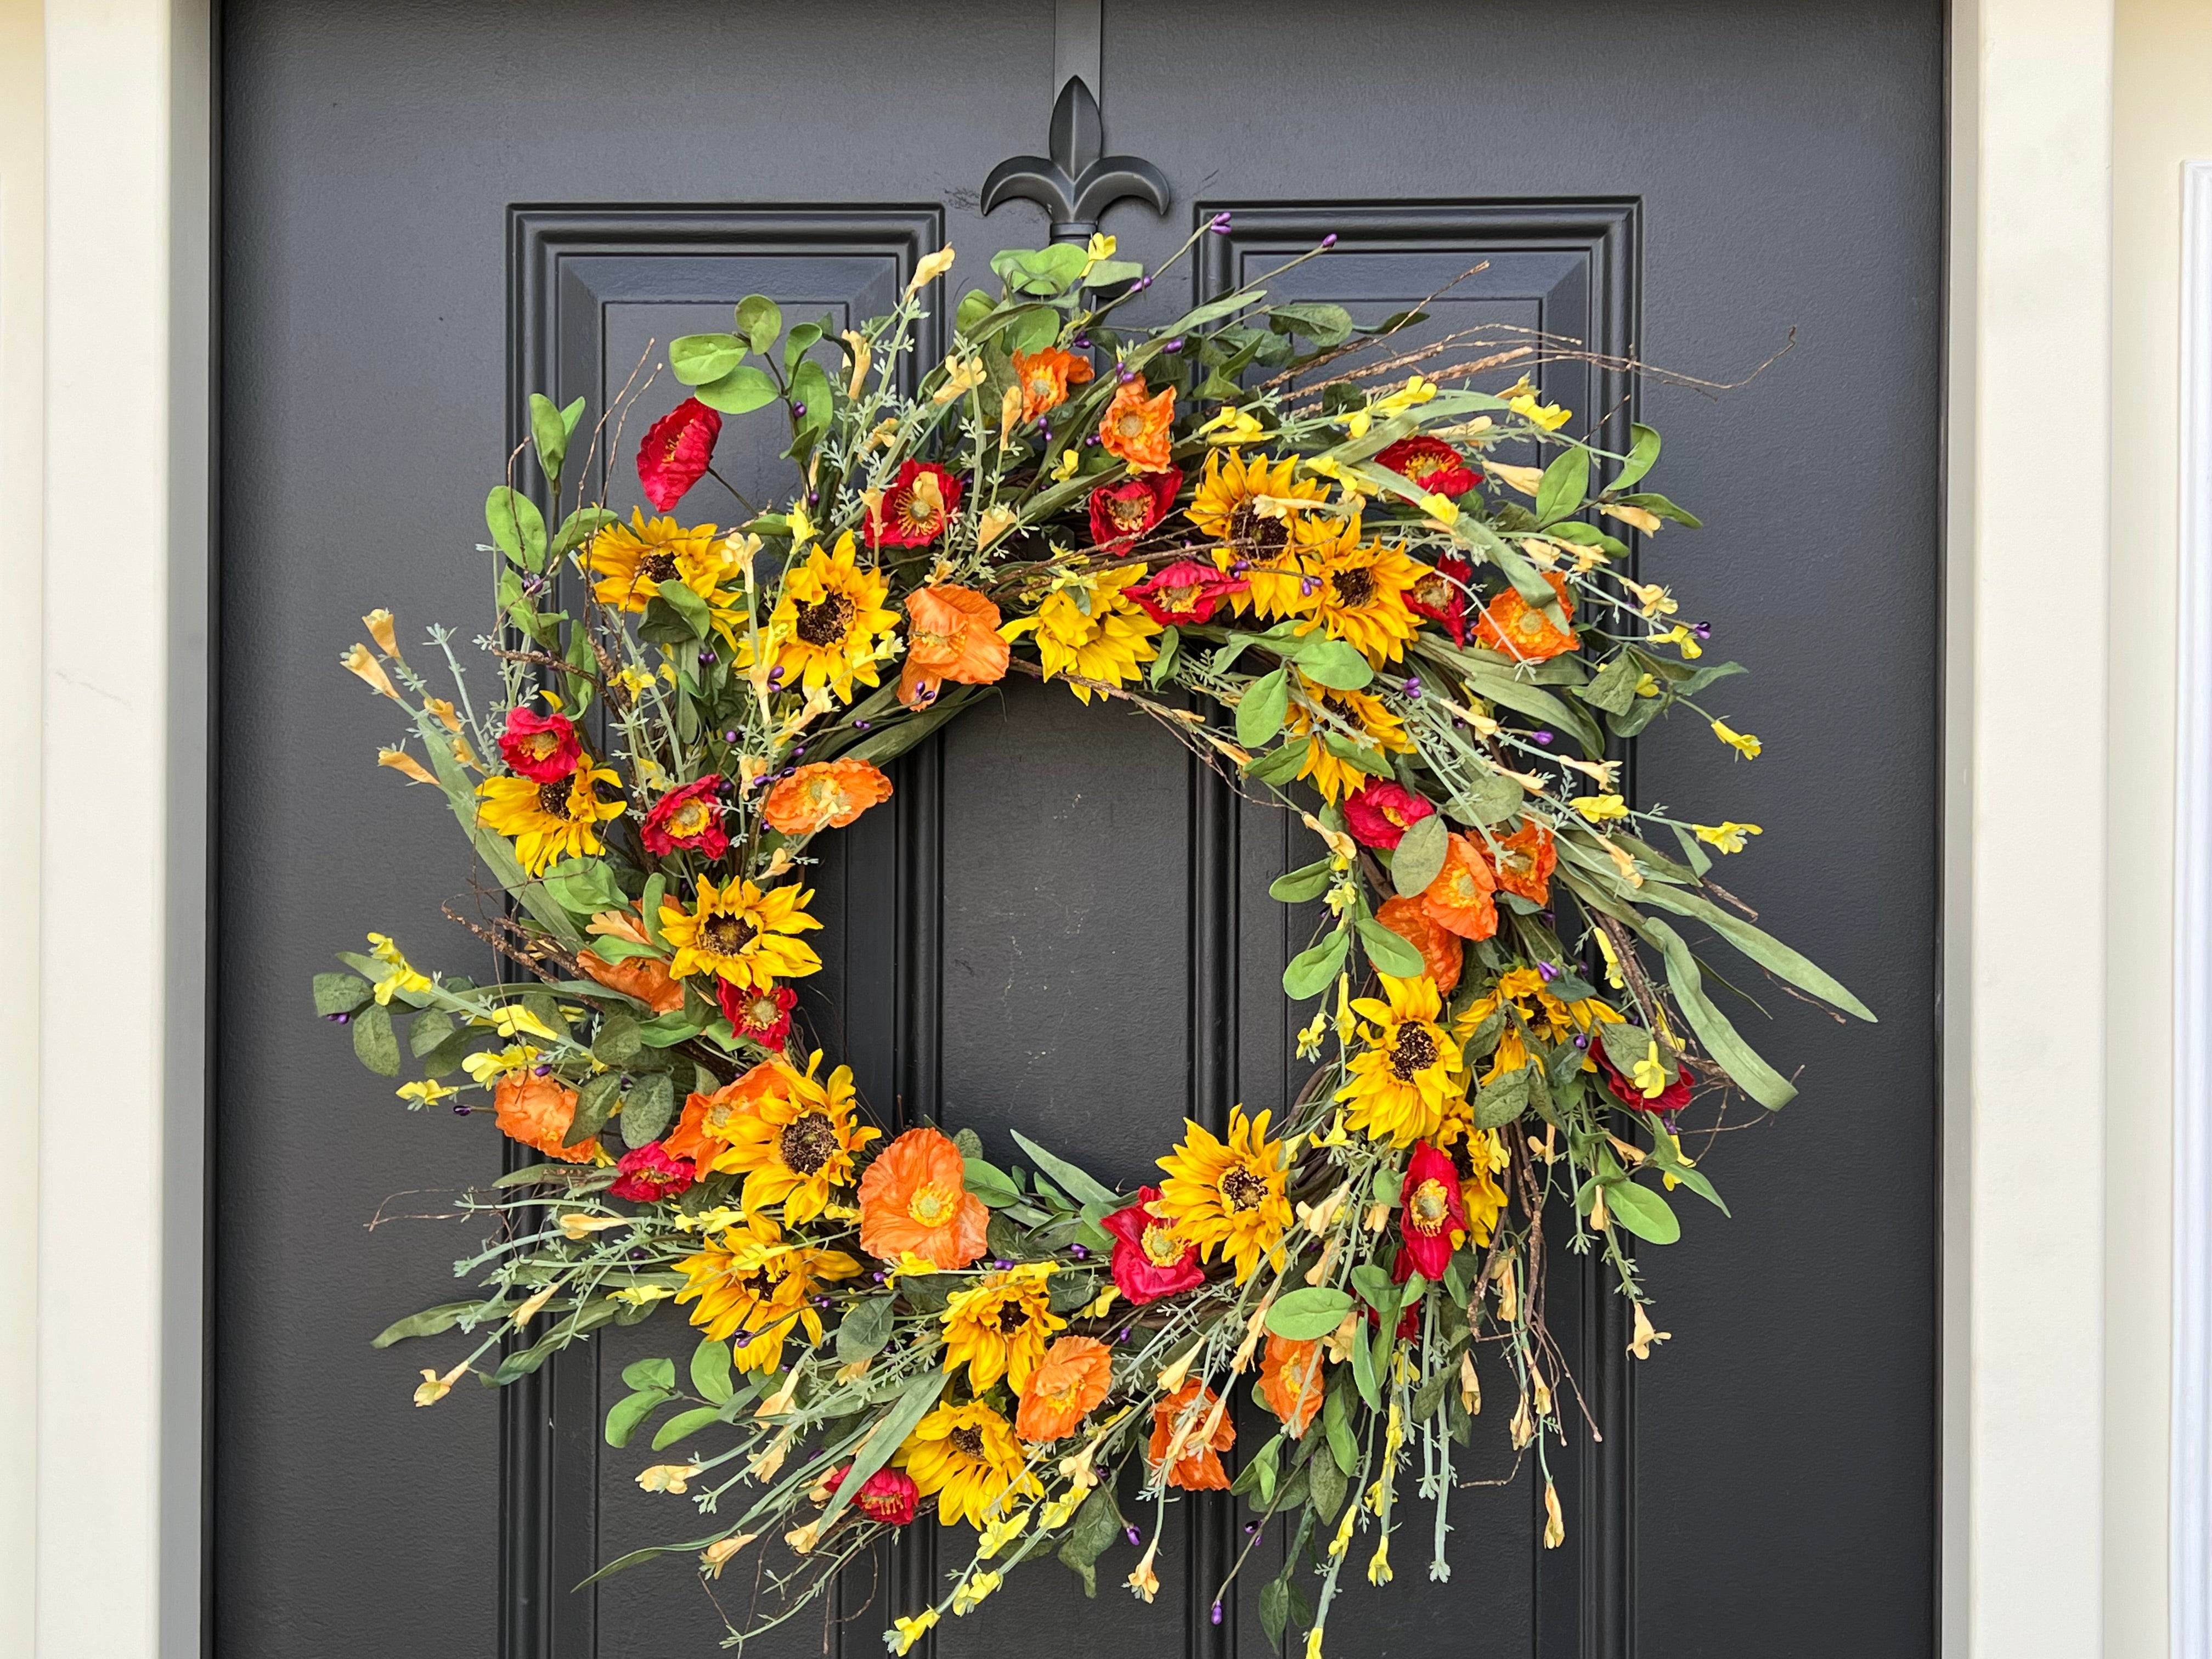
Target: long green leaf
[[913, 1405], [1752, 1074], [1761, 947], [491, 846], [1075, 1181]]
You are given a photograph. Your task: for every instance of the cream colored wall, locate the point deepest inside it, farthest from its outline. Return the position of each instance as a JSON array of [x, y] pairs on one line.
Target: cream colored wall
[[2162, 117]]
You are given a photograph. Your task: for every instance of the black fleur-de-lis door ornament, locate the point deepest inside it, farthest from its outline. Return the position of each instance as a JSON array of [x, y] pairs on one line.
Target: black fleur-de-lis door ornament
[[1076, 184]]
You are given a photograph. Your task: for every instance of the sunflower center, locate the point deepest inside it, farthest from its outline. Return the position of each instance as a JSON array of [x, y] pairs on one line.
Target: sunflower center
[[1354, 587], [1012, 1316], [932, 1206], [1242, 1190], [1261, 538], [808, 1142], [1413, 1053], [1431, 1208], [968, 1441], [824, 624], [553, 798], [760, 1284], [660, 567], [727, 935], [1162, 1247]]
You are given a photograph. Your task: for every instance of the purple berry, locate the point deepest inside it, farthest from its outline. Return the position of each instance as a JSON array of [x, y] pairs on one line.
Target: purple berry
[[1329, 240], [1544, 738]]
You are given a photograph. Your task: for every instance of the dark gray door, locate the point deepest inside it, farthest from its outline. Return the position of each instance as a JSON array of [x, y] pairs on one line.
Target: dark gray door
[[429, 210]]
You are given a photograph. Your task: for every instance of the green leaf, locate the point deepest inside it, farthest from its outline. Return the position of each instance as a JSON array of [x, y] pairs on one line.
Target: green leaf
[[375, 1044], [991, 1183], [760, 320], [710, 1370], [1420, 855], [803, 340], [1098, 1529], [428, 1031], [1642, 1211], [1274, 1610], [650, 1374], [1259, 713], [1643, 455], [429, 1323], [1566, 482], [1503, 1101], [584, 886], [1042, 272], [1761, 947], [550, 434], [1170, 646], [1325, 324], [595, 1102], [865, 1329], [1371, 1278], [1107, 272], [1312, 970], [647, 1107], [1490, 798], [1695, 856], [632, 1409], [1067, 1177], [1500, 685], [517, 527], [617, 1043], [579, 526], [1662, 506], [974, 305], [1614, 691], [1308, 1314], [1329, 1479], [340, 993], [892, 1429], [740, 392], [1390, 951], [1334, 664], [686, 604], [1366, 1375], [701, 358], [1279, 765], [685, 1423], [1308, 882], [1738, 1059], [1336, 1424]]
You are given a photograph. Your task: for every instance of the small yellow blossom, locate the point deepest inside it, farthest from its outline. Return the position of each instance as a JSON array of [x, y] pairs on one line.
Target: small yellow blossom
[[1555, 1526], [996, 1534], [357, 661], [927, 269], [406, 764], [667, 1476], [710, 1221], [961, 376], [486, 1069], [379, 626], [910, 1631], [434, 1388], [716, 1555], [995, 522], [427, 1092], [513, 1019], [1066, 467], [582, 1224], [1441, 508], [1728, 837], [1600, 809], [1640, 1343], [1097, 250], [1309, 1037], [802, 525], [1654, 598], [1650, 1076], [642, 1296], [1232, 426], [1520, 399], [1647, 686], [402, 976], [1142, 1579], [1522, 478], [1379, 1564], [1414, 392], [1742, 742], [1682, 639]]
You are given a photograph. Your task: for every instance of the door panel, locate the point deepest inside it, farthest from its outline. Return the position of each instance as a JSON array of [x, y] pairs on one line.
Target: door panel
[[1061, 924]]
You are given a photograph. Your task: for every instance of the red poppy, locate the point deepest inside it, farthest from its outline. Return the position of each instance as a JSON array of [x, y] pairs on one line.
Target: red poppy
[[688, 820], [1431, 463], [1440, 595], [1150, 1261], [1120, 513], [916, 505], [762, 1015], [649, 1173], [1431, 1215], [1185, 592], [676, 452], [1378, 814], [1672, 1098], [540, 747], [889, 1495]]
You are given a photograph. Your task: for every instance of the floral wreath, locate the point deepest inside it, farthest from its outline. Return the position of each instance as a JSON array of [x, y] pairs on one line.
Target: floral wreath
[[1421, 648]]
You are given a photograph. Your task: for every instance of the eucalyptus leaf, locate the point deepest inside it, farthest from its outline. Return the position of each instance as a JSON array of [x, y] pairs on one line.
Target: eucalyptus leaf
[[1307, 1314], [647, 1108], [1420, 858], [340, 993], [375, 1044], [1260, 712], [1072, 1180]]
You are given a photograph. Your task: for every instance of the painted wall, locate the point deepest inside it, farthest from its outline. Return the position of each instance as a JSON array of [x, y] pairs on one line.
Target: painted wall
[[2161, 118]]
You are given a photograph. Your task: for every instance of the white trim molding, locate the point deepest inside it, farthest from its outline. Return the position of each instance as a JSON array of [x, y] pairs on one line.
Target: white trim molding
[[2190, 1539]]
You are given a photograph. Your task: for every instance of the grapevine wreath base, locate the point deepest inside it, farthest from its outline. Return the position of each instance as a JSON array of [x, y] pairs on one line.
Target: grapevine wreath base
[[1399, 606]]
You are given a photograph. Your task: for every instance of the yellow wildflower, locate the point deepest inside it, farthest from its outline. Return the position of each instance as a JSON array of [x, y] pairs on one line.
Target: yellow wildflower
[[1600, 809], [1742, 742], [668, 1477], [406, 764], [402, 976], [1728, 837], [434, 1388], [428, 1092]]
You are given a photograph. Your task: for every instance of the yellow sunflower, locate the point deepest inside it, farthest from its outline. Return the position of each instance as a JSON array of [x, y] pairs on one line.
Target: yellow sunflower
[[1405, 1081], [968, 1458], [997, 1327], [1363, 714], [1358, 588], [1552, 1018], [1228, 1195], [796, 1139], [750, 1283], [549, 822], [1089, 629], [633, 560], [1227, 507], [1481, 1192], [830, 621], [742, 934]]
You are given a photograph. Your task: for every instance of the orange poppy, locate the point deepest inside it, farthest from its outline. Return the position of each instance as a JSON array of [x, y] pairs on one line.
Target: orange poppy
[[915, 1199], [952, 633], [644, 978], [1509, 623], [1044, 377], [1292, 1382], [1066, 1385], [701, 1134], [824, 795], [1458, 900], [537, 1111], [1526, 859], [1199, 1467], [1138, 428], [1439, 947]]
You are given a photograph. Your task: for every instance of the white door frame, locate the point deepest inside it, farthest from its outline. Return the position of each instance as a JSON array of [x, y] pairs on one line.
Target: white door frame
[[101, 1304]]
